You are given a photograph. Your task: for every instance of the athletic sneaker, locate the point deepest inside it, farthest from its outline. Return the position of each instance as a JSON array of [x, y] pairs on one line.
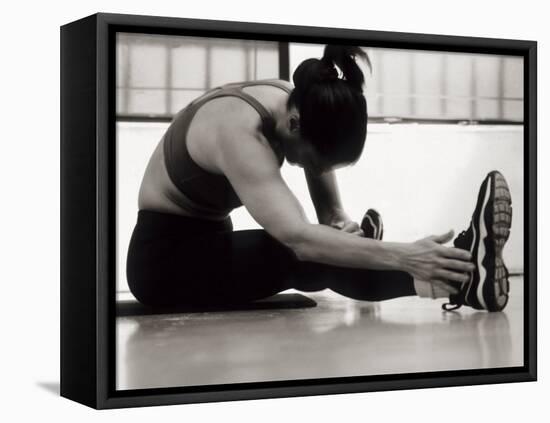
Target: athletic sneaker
[[372, 225], [489, 230]]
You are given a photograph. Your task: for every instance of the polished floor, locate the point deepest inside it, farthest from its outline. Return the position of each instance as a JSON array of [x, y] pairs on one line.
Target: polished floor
[[339, 337]]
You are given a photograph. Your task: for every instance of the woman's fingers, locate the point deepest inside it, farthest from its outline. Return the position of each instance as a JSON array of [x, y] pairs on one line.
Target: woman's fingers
[[450, 275], [443, 238], [338, 225], [460, 265], [352, 228], [457, 253]]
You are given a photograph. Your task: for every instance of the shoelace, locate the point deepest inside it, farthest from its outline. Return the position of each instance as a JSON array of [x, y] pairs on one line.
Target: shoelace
[[450, 306]]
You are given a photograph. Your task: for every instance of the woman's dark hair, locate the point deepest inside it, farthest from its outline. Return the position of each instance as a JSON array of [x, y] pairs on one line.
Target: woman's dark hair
[[332, 107]]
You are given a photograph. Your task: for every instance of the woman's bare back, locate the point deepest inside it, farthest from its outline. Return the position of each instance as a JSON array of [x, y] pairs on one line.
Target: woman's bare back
[[157, 191]]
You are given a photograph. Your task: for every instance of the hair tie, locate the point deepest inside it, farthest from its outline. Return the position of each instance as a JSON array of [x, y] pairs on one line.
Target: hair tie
[[328, 73]]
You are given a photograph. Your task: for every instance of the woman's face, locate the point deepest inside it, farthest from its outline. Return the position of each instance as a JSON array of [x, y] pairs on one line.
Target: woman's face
[[299, 151], [302, 153]]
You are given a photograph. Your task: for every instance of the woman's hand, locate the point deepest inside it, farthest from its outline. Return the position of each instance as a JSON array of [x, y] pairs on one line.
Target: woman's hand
[[341, 221], [428, 260]]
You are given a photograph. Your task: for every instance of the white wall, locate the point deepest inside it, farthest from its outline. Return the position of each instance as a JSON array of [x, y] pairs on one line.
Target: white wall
[[423, 179]]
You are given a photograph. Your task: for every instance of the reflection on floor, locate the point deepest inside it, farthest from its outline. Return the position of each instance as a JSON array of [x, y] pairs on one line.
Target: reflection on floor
[[340, 337]]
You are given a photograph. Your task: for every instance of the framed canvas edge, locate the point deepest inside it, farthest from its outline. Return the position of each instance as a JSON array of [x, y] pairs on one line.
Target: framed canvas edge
[[153, 397], [78, 220], [106, 397]]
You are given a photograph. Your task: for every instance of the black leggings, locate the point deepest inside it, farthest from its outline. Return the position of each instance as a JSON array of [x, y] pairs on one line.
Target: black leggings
[[176, 260]]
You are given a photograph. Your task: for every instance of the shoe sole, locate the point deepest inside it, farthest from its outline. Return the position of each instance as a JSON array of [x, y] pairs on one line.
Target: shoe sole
[[372, 225], [492, 225]]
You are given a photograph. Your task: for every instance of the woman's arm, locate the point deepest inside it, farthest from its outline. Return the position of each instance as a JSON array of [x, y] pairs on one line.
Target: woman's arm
[[251, 167], [324, 193], [323, 189]]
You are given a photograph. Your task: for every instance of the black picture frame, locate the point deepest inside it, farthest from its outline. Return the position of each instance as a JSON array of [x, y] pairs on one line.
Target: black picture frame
[[88, 209]]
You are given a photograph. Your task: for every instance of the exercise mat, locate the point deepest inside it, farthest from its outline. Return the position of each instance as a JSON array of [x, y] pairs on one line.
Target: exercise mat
[[278, 301]]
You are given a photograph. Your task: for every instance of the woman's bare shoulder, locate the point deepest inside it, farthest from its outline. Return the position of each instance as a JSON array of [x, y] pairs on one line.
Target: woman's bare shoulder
[[243, 139], [286, 83]]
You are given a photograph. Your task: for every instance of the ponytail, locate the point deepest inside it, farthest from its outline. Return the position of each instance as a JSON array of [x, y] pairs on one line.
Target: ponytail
[[322, 71], [345, 58]]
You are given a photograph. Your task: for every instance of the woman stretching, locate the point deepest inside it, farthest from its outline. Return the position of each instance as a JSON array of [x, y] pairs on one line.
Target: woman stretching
[[225, 150]]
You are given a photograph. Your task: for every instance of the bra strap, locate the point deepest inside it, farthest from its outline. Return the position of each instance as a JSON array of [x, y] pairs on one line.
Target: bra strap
[[253, 102]]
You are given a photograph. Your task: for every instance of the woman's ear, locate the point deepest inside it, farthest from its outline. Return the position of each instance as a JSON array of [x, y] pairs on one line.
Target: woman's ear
[[294, 123]]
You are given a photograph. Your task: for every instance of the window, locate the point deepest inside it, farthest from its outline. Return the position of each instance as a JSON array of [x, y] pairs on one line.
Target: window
[[445, 86], [436, 86], [159, 75]]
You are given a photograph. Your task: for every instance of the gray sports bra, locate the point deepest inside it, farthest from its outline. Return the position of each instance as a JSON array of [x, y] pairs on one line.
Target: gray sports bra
[[208, 195]]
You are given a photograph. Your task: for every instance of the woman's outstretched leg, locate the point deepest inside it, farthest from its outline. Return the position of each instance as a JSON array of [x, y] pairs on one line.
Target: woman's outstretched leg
[[176, 260], [256, 265], [359, 284], [369, 285]]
